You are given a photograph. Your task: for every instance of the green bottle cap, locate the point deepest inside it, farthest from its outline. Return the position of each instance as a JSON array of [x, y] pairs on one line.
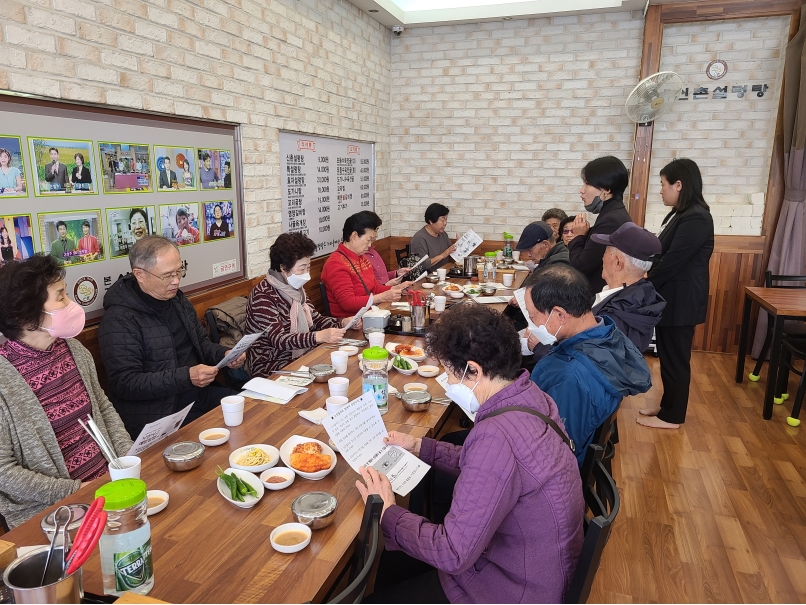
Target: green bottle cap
[[375, 353], [508, 235], [122, 493], [491, 254]]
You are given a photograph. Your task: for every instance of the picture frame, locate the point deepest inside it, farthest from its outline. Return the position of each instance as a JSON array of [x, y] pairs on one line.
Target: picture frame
[[62, 166]]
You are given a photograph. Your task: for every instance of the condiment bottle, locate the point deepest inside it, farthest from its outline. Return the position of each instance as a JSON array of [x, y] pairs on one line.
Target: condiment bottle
[[375, 379], [508, 237], [125, 545], [489, 266]]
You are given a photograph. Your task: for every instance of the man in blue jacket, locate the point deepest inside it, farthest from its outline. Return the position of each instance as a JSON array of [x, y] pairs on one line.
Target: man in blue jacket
[[593, 365]]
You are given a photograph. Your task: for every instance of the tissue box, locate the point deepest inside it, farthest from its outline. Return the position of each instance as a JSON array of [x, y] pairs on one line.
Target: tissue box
[[377, 319]]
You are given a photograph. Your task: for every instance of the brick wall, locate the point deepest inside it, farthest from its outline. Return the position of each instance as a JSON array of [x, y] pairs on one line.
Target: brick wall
[[318, 66], [495, 120], [731, 139]]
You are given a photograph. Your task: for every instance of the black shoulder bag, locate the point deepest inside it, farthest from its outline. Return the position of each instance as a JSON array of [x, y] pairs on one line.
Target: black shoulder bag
[[518, 408], [356, 271]]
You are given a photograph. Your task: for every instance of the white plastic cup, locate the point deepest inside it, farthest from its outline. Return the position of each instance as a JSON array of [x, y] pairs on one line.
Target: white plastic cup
[[516, 255], [233, 418], [376, 339], [499, 255], [233, 403], [507, 278], [339, 361], [439, 303], [338, 386], [442, 273], [131, 468], [334, 404]]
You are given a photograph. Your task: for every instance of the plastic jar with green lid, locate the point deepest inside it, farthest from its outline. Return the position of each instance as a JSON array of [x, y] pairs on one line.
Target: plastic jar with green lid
[[375, 378], [126, 562]]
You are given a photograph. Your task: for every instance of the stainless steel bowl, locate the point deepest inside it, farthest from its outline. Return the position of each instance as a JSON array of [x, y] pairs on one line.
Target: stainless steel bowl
[[183, 456], [315, 509], [321, 372], [416, 401], [48, 523], [487, 290], [433, 278]]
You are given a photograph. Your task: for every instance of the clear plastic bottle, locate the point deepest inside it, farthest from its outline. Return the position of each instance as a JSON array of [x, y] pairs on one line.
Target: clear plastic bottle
[[489, 266], [126, 563], [375, 379], [508, 238]]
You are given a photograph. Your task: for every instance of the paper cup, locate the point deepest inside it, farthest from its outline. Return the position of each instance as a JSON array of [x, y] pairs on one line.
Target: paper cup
[[334, 404], [233, 418], [507, 278], [442, 273], [131, 468], [338, 386], [516, 255], [233, 403], [499, 254], [439, 303], [525, 347], [339, 361], [376, 339]]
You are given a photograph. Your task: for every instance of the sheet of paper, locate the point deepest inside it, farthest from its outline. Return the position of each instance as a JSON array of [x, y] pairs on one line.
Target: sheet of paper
[[360, 313], [158, 430], [295, 381], [262, 397], [520, 296], [357, 429], [465, 245], [239, 348], [491, 300], [442, 380], [272, 388]]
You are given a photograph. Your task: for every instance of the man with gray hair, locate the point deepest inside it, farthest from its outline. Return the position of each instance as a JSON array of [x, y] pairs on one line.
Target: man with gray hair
[[158, 357], [628, 298]]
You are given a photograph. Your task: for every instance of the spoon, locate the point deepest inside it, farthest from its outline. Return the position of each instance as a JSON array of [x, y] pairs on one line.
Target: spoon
[[60, 519]]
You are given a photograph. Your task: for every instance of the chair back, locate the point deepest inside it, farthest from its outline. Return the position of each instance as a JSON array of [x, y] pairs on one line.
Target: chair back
[[601, 437], [365, 551], [769, 280], [401, 254], [325, 301], [602, 498]]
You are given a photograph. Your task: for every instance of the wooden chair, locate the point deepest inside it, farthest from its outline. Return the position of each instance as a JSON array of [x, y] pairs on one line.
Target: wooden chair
[[401, 254], [365, 552], [602, 498], [792, 329], [325, 301]]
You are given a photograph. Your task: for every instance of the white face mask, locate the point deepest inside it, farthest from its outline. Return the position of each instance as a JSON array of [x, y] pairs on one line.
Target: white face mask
[[543, 335], [297, 281], [463, 395]]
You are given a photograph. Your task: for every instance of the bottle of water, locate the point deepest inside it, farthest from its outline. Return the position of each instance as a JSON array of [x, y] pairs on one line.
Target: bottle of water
[[489, 266], [375, 378], [126, 562]]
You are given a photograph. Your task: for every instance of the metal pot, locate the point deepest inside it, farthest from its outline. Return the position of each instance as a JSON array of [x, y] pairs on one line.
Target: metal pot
[[23, 576], [470, 265], [315, 509], [321, 372]]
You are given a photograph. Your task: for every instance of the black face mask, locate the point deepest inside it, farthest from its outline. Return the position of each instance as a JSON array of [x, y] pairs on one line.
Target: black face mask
[[595, 207]]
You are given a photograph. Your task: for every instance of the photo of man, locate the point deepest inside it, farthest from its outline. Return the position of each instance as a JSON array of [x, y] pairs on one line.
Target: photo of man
[[167, 176], [218, 221], [214, 169], [62, 166], [127, 226], [126, 167], [56, 172], [62, 247], [72, 237], [16, 238], [179, 223], [227, 176], [12, 169], [176, 168], [207, 174]]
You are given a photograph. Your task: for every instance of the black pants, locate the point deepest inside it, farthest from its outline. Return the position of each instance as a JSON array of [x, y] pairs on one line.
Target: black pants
[[674, 351], [206, 399], [404, 579]]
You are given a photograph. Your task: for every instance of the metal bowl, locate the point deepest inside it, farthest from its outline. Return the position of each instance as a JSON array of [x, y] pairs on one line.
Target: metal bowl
[[416, 401], [183, 456], [315, 509], [48, 523], [487, 290], [322, 372]]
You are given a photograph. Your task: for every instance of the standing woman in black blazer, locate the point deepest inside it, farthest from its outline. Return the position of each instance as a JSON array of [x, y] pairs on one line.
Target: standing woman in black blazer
[[680, 277], [603, 183]]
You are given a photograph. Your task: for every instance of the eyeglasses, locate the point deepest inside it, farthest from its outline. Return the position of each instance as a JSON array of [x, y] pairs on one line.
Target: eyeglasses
[[568, 231], [168, 277]]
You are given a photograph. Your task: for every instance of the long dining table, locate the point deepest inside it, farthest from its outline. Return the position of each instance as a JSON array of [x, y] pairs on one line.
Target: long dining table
[[206, 550]]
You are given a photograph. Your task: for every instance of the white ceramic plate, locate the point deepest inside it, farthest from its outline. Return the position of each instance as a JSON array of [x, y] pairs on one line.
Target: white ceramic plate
[[288, 446], [157, 493], [270, 450], [290, 527], [390, 346], [212, 442], [414, 365], [288, 473], [428, 371], [246, 477]]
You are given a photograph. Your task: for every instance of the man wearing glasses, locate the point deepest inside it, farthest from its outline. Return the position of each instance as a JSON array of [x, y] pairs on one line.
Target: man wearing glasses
[[158, 357]]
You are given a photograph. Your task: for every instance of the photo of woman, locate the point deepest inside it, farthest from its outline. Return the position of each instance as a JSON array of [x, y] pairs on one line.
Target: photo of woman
[[125, 167], [180, 223], [16, 238], [72, 237], [12, 179], [127, 226], [187, 175], [175, 168], [218, 221], [6, 249], [62, 166], [80, 176]]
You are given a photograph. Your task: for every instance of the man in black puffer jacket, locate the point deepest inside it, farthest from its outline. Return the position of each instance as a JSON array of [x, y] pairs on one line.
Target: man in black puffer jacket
[[158, 357]]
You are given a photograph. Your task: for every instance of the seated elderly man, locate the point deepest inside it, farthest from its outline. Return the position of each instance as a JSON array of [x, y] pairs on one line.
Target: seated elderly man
[[628, 298], [539, 245], [158, 357], [592, 366]]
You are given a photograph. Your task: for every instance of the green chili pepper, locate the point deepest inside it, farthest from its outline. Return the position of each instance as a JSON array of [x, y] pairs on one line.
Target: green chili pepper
[[232, 483]]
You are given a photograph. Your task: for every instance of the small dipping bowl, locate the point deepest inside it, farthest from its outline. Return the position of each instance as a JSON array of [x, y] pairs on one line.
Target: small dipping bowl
[[157, 501], [487, 290], [315, 509], [183, 456], [428, 371], [428, 285], [290, 527], [416, 401], [349, 349], [48, 523], [277, 471], [415, 386], [321, 372], [208, 437]]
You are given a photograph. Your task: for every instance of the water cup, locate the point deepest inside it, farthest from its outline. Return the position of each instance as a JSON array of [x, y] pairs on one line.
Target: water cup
[[499, 255], [232, 407], [442, 273], [439, 303], [334, 404], [233, 418], [508, 278], [339, 361], [525, 346], [338, 386], [516, 255], [376, 339], [131, 468]]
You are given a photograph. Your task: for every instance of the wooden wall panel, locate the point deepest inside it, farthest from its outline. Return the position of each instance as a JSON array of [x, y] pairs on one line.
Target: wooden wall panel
[[731, 9]]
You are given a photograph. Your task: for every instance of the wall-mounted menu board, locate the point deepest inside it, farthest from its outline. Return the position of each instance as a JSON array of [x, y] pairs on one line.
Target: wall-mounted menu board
[[324, 180], [84, 184]]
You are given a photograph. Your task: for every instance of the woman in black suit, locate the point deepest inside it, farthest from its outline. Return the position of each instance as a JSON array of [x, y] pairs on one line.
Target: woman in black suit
[[680, 277], [603, 183]]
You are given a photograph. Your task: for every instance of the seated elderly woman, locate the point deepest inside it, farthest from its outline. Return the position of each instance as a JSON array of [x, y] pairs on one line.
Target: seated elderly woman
[[279, 307], [348, 275], [382, 274], [47, 383], [514, 530]]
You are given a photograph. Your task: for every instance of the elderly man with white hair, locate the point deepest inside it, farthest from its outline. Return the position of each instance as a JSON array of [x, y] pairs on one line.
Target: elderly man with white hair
[[628, 298]]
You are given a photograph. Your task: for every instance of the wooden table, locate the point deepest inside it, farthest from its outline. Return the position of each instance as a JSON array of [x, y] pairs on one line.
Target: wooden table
[[208, 551], [782, 304]]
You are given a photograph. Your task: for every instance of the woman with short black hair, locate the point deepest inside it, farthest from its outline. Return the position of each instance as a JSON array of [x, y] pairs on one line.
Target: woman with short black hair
[[566, 230], [48, 382], [603, 183], [431, 240], [279, 307], [681, 277], [517, 503]]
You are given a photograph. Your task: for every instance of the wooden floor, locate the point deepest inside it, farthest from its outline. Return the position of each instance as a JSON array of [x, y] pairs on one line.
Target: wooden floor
[[713, 512]]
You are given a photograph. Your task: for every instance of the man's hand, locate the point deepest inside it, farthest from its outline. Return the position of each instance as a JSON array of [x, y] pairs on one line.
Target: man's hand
[[580, 225], [202, 375], [531, 340], [238, 362]]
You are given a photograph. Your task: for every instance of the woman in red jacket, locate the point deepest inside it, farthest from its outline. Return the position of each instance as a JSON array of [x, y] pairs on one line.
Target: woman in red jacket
[[348, 275]]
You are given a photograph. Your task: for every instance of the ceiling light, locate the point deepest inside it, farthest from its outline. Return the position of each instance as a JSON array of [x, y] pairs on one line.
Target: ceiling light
[[507, 18], [372, 10]]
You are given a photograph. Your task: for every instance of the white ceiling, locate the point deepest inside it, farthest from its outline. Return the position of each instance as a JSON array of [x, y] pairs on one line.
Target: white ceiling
[[440, 12]]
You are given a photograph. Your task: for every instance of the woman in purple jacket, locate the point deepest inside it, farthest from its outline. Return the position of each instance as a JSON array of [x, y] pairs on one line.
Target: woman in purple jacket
[[514, 530]]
